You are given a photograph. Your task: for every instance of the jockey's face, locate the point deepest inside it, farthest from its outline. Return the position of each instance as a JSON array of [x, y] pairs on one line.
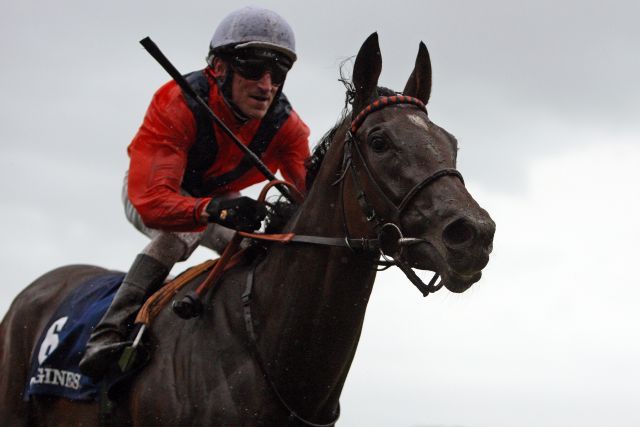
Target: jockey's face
[[253, 88], [253, 97]]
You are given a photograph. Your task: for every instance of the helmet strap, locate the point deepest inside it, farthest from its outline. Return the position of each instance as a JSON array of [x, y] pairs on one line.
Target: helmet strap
[[225, 84]]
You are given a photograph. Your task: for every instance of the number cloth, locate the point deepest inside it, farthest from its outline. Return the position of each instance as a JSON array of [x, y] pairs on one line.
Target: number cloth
[[54, 366]]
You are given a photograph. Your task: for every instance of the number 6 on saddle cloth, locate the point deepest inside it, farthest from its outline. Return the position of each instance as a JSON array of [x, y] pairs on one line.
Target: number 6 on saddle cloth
[[54, 365]]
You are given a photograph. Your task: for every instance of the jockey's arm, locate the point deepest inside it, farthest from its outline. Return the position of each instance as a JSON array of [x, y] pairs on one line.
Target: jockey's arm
[[158, 155]]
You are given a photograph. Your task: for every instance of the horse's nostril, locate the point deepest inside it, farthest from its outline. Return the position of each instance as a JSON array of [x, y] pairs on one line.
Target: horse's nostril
[[458, 233]]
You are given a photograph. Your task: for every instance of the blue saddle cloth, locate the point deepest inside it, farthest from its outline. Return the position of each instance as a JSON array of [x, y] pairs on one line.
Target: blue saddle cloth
[[54, 367]]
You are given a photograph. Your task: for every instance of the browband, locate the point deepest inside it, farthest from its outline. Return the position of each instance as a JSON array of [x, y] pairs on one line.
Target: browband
[[382, 102]]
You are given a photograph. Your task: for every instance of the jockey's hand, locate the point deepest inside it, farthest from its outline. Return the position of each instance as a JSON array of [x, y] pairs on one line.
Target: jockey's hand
[[242, 213]]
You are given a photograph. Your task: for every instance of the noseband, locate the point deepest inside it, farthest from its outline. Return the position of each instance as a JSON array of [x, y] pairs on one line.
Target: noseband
[[390, 239]]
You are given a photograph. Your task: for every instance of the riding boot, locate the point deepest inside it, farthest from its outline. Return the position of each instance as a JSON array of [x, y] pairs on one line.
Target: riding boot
[[109, 337]]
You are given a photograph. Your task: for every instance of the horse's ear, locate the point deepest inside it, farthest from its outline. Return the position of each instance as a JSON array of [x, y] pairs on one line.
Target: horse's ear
[[419, 83], [366, 71]]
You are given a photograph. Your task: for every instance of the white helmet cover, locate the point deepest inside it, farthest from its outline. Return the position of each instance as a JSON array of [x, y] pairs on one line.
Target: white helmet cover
[[255, 27]]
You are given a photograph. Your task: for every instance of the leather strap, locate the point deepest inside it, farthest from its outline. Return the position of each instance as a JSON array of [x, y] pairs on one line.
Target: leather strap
[[253, 345], [161, 298], [361, 244]]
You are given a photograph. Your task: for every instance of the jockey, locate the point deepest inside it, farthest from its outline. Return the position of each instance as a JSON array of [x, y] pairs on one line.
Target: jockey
[[182, 187]]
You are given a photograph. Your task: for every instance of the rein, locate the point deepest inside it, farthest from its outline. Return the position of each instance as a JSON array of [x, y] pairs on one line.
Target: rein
[[253, 341]]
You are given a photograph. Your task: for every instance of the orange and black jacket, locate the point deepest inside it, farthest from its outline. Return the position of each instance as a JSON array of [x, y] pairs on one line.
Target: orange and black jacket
[[179, 151]]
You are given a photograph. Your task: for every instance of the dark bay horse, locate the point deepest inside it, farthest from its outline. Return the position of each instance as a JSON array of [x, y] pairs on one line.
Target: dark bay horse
[[308, 301]]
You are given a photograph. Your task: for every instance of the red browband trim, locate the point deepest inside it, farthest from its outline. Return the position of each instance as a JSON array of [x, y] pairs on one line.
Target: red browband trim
[[382, 102]]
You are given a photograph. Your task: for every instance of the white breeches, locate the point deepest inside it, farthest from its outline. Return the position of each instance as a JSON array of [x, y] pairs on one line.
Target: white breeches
[[169, 247]]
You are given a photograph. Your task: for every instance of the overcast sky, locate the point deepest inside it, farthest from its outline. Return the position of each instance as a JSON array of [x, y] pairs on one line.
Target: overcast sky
[[544, 99]]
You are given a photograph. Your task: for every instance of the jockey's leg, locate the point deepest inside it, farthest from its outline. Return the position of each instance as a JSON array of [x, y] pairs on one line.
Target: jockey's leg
[[145, 276], [216, 237]]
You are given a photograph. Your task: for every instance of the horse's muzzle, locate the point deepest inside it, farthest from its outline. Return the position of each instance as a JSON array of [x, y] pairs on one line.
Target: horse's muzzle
[[468, 243]]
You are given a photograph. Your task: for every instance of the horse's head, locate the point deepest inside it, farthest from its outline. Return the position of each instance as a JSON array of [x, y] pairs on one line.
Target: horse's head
[[406, 167]]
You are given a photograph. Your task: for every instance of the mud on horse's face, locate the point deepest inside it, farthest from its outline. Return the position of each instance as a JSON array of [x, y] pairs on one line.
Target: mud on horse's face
[[404, 150]]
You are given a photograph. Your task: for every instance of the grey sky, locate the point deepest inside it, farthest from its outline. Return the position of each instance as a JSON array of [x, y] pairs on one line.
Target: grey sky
[[544, 99]]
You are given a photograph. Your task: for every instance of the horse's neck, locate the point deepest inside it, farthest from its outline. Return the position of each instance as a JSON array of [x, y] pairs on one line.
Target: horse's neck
[[312, 302]]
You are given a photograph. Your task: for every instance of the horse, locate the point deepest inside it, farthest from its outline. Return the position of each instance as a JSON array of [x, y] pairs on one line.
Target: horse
[[277, 336]]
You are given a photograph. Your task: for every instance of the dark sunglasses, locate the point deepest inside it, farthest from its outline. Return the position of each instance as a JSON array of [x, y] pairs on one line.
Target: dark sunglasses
[[255, 68]]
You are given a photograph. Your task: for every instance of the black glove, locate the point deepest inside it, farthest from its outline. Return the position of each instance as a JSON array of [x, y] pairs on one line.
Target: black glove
[[242, 213]]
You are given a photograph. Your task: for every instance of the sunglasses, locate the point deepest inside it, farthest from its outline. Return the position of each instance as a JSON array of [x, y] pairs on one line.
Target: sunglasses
[[255, 68]]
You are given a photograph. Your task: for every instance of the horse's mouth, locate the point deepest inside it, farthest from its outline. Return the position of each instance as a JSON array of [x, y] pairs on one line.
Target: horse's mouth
[[425, 256]]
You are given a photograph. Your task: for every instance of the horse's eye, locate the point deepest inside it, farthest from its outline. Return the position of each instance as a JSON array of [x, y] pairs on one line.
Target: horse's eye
[[378, 144]]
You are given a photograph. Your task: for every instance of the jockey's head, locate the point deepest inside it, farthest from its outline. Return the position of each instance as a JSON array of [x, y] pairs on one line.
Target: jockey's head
[[251, 52]]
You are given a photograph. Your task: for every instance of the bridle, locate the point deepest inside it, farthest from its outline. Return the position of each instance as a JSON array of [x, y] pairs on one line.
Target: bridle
[[390, 240]]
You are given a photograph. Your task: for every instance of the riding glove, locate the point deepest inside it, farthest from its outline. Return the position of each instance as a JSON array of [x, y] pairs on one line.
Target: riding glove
[[242, 213]]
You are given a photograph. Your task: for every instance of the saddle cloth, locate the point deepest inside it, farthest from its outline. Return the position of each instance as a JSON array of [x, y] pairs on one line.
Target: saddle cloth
[[54, 365]]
